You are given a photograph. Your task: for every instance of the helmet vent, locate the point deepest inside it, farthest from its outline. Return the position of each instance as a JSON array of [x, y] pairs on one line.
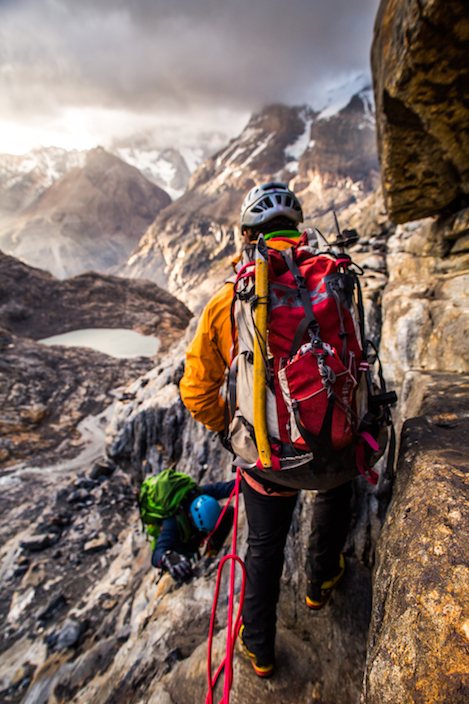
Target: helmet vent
[[265, 202]]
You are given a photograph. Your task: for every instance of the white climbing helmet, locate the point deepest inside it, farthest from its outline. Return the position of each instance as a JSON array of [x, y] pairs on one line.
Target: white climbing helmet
[[265, 202]]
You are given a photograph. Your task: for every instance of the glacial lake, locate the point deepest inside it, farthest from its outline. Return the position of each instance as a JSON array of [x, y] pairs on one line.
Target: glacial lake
[[116, 342]]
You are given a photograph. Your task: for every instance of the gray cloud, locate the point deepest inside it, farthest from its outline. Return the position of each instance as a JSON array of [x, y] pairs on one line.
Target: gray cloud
[[176, 54]]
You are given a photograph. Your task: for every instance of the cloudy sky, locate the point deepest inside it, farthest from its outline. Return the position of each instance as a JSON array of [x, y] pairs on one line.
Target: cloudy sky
[[76, 73]]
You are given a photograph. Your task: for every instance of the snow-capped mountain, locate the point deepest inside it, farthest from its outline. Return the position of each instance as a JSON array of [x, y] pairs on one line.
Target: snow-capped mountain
[[91, 218], [24, 178], [338, 97], [197, 232], [167, 168], [327, 155], [339, 166], [330, 161], [170, 168]]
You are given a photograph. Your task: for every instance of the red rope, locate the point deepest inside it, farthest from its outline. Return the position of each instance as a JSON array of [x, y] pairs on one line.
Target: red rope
[[231, 632], [207, 538]]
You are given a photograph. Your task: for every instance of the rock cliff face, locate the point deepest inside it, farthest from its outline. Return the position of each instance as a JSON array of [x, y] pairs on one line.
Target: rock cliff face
[[426, 306], [420, 73], [418, 640], [331, 163], [419, 632], [339, 168], [91, 218], [35, 304]]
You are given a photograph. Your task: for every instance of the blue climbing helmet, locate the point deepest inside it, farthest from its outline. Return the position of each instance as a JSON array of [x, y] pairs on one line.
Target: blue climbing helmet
[[205, 511]]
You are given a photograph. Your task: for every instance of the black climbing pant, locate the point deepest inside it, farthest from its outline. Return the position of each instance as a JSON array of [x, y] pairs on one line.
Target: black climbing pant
[[269, 519], [329, 526]]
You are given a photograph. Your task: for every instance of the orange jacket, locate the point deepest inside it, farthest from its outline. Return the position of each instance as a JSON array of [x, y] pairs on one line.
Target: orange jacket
[[207, 358], [209, 355]]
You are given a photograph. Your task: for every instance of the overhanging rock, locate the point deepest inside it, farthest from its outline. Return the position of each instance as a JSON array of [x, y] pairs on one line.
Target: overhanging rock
[[420, 73]]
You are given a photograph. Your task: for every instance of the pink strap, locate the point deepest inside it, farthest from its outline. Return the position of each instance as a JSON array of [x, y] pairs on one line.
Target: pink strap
[[369, 474], [370, 440], [241, 273], [274, 460]]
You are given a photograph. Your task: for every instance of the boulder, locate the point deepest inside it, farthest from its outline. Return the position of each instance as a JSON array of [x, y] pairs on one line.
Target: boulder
[[36, 543], [66, 636], [419, 634], [420, 72], [103, 467], [101, 542]]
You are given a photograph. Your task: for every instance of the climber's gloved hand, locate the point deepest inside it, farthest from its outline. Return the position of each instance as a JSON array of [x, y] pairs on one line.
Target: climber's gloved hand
[[225, 442], [177, 565]]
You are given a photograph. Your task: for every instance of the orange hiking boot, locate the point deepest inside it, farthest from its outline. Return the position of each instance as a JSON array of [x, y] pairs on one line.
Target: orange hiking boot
[[261, 669], [316, 598]]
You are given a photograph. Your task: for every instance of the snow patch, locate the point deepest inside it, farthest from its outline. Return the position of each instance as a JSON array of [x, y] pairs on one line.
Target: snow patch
[[236, 148], [193, 157], [46, 165], [339, 97], [260, 147], [298, 148], [293, 166], [367, 98], [157, 166]]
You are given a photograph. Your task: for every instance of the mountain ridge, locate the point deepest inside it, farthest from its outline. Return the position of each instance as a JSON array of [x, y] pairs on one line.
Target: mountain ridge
[[90, 218], [200, 231]]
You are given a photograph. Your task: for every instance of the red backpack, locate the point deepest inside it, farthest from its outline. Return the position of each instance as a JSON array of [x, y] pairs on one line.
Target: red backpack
[[322, 423]]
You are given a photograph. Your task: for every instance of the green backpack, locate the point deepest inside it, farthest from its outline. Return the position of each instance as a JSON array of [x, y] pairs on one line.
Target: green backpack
[[161, 497]]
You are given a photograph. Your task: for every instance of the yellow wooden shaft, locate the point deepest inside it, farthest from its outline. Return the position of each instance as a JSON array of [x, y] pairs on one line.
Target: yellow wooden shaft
[[260, 353]]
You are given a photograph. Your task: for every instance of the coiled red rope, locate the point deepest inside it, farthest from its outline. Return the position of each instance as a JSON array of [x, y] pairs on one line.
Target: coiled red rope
[[231, 631]]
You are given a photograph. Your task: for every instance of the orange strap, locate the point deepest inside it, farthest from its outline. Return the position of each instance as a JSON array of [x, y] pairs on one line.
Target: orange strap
[[257, 486]]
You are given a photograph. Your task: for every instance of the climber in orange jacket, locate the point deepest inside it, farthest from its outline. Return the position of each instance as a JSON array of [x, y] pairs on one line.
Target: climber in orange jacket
[[273, 210]]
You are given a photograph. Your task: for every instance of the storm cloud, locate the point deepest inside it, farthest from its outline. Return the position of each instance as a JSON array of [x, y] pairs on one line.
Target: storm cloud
[[174, 54]]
